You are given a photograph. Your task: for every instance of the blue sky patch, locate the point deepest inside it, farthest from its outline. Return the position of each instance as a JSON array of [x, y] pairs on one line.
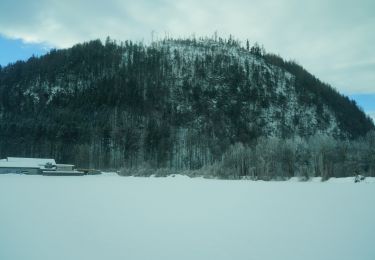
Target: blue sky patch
[[13, 50]]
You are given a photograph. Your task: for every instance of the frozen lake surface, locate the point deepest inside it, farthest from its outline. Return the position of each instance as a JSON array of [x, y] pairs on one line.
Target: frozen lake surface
[[111, 217]]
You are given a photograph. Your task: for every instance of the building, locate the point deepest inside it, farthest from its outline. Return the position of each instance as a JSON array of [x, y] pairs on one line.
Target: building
[[64, 167], [39, 162], [37, 166], [19, 168]]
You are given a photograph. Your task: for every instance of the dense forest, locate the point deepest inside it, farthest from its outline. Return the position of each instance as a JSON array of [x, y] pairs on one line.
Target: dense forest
[[179, 104]]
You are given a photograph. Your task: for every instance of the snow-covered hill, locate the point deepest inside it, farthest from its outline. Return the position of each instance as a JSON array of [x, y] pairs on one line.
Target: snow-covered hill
[[173, 103]]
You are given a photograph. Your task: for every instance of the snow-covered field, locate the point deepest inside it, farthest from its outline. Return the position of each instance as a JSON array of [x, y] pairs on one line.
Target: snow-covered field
[[112, 217]]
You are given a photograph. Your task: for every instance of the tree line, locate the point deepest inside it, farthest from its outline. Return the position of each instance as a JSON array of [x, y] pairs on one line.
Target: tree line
[[272, 158]]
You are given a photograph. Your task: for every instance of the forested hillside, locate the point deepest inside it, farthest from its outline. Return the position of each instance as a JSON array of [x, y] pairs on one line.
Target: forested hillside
[[177, 104]]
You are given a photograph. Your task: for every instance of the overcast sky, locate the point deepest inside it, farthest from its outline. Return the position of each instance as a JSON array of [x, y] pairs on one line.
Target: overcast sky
[[333, 39]]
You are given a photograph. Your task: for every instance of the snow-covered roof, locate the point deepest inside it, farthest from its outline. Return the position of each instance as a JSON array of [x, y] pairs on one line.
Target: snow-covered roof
[[38, 160], [27, 162]]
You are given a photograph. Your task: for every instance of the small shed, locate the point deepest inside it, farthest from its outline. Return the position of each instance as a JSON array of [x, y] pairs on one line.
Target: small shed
[[65, 167]]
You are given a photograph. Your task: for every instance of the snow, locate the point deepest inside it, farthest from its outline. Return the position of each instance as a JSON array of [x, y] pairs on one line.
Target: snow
[[26, 162], [4, 164], [112, 217]]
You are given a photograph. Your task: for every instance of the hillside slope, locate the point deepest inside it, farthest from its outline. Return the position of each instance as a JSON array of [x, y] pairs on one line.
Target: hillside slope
[[174, 103]]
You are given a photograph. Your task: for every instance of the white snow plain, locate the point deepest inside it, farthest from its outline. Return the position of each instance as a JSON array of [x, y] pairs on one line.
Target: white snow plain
[[112, 217]]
